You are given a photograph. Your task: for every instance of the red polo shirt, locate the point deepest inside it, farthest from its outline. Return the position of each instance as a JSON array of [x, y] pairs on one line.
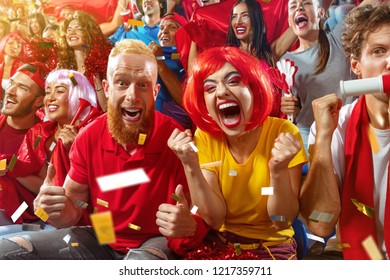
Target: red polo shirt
[[95, 153]]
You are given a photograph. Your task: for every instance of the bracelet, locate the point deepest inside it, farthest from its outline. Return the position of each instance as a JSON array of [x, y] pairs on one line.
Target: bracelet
[[99, 89]]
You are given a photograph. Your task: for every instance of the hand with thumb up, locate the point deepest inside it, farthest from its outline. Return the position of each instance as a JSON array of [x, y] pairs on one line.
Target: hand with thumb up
[[51, 198], [175, 220]]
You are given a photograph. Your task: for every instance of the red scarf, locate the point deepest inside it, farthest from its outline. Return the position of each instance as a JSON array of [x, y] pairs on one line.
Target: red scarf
[[359, 184]]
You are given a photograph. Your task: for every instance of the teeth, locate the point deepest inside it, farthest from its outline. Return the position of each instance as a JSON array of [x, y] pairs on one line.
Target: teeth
[[52, 106], [132, 110], [11, 101], [241, 29], [227, 105]]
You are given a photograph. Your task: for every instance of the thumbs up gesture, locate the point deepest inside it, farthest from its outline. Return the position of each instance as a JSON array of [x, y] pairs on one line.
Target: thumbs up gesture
[[175, 220], [51, 198]]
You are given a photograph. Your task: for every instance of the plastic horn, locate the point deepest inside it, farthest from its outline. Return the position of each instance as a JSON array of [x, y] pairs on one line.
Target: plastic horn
[[91, 115], [380, 84], [82, 105]]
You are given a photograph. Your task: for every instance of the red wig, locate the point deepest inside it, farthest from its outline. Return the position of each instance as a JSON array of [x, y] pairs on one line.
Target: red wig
[[16, 35], [253, 73]]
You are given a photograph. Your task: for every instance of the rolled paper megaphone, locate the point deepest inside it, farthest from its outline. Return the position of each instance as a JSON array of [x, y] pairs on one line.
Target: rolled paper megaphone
[[380, 84], [82, 105], [91, 115]]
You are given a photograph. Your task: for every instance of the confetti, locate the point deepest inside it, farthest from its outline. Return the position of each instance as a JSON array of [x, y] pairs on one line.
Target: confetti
[[315, 237], [135, 227], [372, 249], [211, 164], [102, 202], [160, 57], [45, 45], [81, 204], [176, 197], [278, 218], [95, 210], [267, 191], [41, 214], [193, 147], [3, 164], [64, 250], [73, 79], [31, 227], [232, 173], [122, 179], [373, 140], [317, 216], [1, 187], [74, 244], [66, 238], [104, 227], [52, 146], [22, 207], [194, 209], [366, 210], [135, 22], [12, 163], [175, 56], [36, 142], [141, 139], [237, 247]]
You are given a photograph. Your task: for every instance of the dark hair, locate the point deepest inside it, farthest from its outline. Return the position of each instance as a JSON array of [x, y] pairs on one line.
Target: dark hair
[[324, 50], [41, 21], [259, 46]]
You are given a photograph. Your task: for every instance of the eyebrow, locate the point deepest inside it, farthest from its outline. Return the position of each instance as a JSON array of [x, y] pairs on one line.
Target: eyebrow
[[225, 77]]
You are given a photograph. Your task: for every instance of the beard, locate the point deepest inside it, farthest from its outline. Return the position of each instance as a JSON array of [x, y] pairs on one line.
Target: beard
[[21, 111], [128, 135]]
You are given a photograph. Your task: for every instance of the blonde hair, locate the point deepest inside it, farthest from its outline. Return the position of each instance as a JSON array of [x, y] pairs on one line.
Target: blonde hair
[[128, 46]]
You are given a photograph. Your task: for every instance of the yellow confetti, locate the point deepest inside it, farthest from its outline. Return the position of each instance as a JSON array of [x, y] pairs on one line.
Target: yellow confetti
[[175, 56], [373, 140], [372, 249], [135, 227], [12, 163], [135, 22], [73, 79], [104, 227], [95, 210], [366, 210], [3, 164], [41, 214], [102, 202], [141, 139], [74, 244]]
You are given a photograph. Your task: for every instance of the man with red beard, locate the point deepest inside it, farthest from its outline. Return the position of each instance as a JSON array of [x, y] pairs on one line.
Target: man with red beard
[[111, 145], [23, 97]]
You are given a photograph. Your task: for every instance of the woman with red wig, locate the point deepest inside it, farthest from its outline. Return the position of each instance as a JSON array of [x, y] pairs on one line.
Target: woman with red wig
[[244, 171]]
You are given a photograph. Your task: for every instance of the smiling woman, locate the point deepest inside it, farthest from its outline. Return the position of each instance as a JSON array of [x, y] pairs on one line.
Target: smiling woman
[[84, 48], [229, 96]]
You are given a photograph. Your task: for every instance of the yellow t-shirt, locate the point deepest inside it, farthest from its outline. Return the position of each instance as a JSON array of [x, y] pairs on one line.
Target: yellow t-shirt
[[241, 183]]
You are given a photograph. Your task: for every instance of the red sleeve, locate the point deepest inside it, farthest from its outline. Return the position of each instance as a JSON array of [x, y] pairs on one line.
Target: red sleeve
[[185, 244]]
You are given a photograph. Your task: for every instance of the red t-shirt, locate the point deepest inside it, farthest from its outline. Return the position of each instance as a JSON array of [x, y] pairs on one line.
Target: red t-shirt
[[95, 153], [13, 193]]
